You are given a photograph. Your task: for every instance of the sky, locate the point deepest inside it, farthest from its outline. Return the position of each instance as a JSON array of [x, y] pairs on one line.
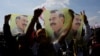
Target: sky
[[91, 7]]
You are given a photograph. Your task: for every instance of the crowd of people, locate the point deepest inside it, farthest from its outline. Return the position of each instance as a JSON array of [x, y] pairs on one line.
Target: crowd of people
[[38, 43]]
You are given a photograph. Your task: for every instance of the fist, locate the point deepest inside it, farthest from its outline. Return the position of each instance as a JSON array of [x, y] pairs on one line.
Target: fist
[[7, 17], [38, 12]]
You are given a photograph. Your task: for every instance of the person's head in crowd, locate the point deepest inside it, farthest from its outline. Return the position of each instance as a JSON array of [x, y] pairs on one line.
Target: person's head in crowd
[[21, 22], [76, 22], [41, 36], [97, 34], [56, 20], [71, 12]]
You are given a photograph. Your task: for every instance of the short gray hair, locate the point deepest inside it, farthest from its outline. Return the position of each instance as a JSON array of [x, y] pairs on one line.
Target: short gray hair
[[60, 13], [18, 17]]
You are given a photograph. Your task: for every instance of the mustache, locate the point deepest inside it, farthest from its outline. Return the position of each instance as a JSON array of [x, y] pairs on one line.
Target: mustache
[[25, 24], [78, 23], [53, 24]]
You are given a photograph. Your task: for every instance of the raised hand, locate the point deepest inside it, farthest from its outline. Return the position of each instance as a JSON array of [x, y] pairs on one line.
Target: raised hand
[[84, 16], [38, 12], [7, 18]]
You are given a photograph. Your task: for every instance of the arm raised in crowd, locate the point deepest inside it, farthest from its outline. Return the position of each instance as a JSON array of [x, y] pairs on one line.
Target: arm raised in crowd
[[30, 29], [88, 30], [6, 27]]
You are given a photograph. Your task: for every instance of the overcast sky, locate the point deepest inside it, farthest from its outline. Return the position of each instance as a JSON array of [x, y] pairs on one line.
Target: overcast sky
[[92, 7]]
